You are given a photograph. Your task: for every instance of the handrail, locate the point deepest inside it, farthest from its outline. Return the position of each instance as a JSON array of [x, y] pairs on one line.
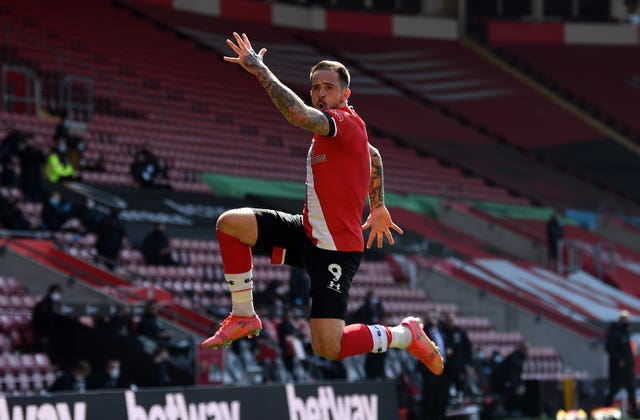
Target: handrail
[[75, 271]]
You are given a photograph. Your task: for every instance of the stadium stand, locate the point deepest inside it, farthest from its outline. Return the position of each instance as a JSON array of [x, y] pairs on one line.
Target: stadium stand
[[451, 142]]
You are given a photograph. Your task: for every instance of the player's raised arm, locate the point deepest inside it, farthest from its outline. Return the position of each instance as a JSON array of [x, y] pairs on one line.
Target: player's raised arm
[[379, 219], [290, 105]]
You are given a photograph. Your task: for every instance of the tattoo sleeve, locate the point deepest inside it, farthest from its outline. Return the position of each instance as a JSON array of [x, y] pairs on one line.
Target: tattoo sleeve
[[290, 104], [376, 187]]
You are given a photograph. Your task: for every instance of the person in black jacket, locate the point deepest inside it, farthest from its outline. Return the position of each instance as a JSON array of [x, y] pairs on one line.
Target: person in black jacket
[[507, 379], [55, 212], [621, 363], [459, 354], [370, 313], [31, 163], [8, 149], [155, 247], [73, 380], [555, 233], [43, 314], [110, 235], [109, 378], [435, 388]]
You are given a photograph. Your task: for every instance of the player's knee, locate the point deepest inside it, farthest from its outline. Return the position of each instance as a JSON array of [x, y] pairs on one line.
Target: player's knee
[[232, 220], [226, 221]]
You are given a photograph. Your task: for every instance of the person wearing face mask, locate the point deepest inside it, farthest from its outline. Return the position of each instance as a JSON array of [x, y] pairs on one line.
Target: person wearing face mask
[[55, 212], [435, 388], [621, 361], [42, 316], [58, 166], [74, 380], [109, 378], [31, 162]]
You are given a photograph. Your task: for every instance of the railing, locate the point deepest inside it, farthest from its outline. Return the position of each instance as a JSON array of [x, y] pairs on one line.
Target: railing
[[61, 57], [30, 98]]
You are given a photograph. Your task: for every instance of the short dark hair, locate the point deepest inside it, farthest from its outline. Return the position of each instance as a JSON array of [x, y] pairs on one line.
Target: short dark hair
[[343, 72]]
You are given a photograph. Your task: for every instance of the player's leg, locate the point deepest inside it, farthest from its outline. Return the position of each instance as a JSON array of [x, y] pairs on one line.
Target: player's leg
[[331, 274], [237, 232]]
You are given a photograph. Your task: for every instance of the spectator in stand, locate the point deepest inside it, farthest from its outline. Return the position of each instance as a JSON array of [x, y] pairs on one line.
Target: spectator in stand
[[58, 167], [621, 362], [89, 217], [286, 332], [8, 149], [55, 212], [372, 312], [161, 367], [32, 160], [65, 130], [111, 234], [272, 299], [146, 168], [78, 160], [459, 354], [155, 247], [151, 330], [109, 378], [507, 380], [74, 379], [555, 233], [299, 289], [435, 388], [43, 315], [11, 217], [120, 325]]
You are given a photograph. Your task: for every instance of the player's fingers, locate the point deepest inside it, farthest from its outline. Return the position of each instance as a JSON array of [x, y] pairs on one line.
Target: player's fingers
[[262, 52], [370, 240], [233, 46], [239, 40], [380, 237], [246, 41], [231, 59], [397, 228], [389, 237]]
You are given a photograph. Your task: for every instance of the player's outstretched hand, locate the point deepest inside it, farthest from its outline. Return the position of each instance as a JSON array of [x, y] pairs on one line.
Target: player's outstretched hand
[[247, 57], [380, 222]]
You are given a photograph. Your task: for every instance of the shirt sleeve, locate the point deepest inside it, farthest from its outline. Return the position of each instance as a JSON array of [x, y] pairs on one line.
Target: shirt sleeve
[[333, 129]]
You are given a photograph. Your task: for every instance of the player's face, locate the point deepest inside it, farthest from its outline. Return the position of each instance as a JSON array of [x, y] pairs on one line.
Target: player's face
[[326, 91]]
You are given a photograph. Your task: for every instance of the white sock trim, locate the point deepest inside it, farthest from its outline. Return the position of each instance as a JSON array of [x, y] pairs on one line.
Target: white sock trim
[[380, 339], [239, 282]]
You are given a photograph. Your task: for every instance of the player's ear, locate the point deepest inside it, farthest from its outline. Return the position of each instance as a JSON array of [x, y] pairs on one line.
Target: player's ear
[[345, 94]]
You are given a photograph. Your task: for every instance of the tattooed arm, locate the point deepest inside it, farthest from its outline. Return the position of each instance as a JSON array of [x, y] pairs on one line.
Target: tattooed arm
[[376, 186], [290, 105], [379, 219]]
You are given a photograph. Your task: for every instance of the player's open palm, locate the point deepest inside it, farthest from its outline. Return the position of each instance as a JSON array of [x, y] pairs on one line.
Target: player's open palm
[[247, 57], [380, 222]]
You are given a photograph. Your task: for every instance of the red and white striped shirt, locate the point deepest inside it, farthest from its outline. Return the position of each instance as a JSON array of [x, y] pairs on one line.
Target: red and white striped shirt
[[338, 174]]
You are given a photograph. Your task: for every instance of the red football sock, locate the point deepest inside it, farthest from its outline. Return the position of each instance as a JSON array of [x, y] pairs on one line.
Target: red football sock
[[358, 339], [236, 257]]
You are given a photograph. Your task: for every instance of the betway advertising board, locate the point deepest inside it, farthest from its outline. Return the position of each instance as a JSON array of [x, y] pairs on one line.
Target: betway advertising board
[[330, 401]]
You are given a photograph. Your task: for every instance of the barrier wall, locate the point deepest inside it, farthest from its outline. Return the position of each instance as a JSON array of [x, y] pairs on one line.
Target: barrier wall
[[345, 401]]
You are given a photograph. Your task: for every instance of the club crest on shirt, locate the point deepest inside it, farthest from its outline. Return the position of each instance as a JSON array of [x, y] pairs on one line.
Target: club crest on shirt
[[318, 158]]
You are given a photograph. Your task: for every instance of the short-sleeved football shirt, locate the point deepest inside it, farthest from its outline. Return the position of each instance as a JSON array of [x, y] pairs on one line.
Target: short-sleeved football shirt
[[337, 184]]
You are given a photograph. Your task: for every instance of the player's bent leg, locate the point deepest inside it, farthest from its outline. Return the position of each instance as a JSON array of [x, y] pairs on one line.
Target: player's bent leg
[[326, 336], [237, 231]]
